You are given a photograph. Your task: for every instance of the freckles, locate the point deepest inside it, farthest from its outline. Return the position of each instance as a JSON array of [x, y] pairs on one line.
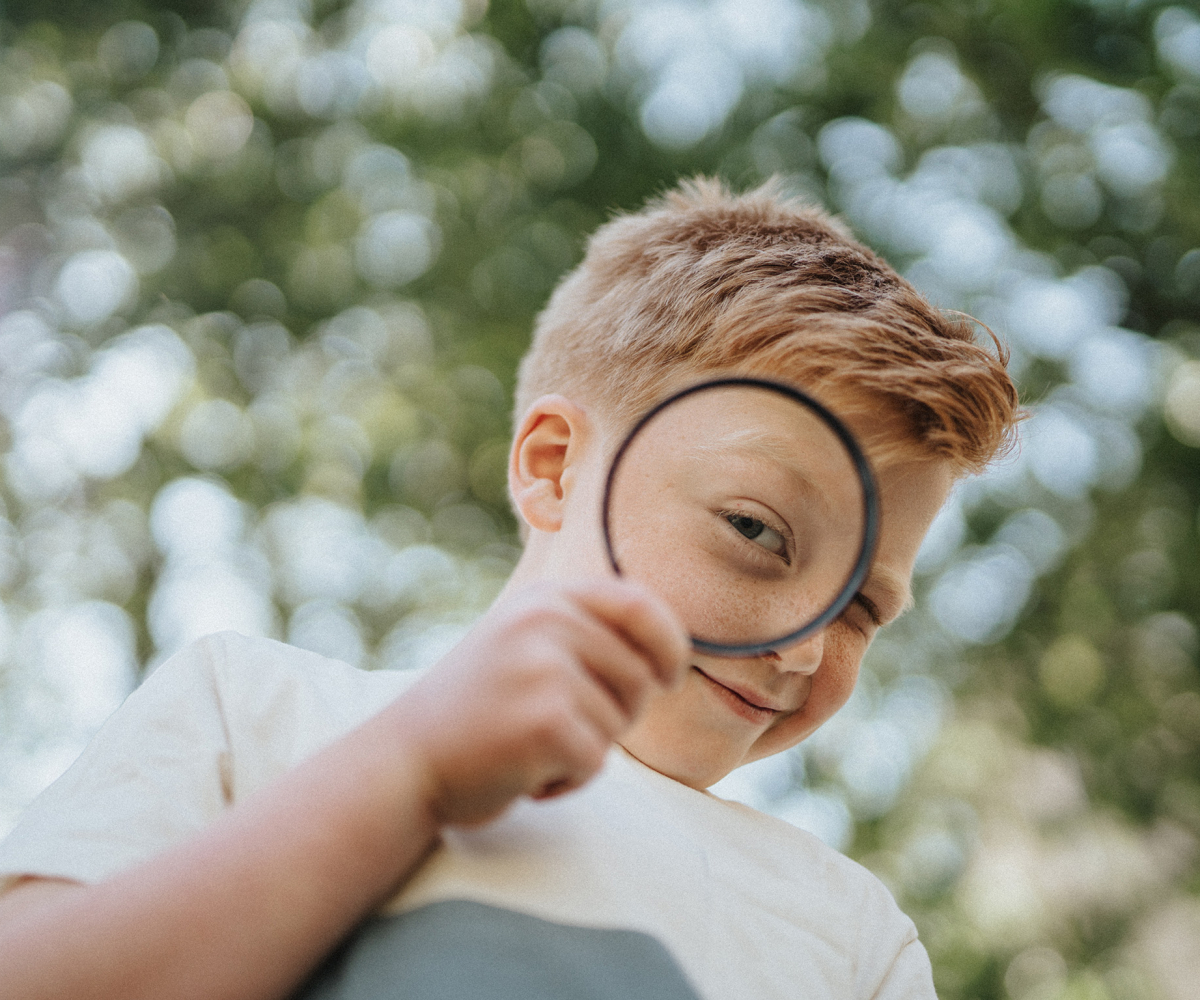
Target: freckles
[[833, 682], [840, 674]]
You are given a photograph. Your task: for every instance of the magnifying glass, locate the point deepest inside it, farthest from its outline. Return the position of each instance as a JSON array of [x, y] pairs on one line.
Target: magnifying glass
[[749, 507]]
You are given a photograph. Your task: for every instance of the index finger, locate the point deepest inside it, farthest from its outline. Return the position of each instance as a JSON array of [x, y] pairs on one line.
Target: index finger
[[642, 618]]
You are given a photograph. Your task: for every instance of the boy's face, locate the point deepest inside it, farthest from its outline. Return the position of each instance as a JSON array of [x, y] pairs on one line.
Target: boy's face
[[728, 712]]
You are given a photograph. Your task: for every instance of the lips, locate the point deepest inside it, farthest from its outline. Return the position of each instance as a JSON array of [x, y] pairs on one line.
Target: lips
[[748, 704]]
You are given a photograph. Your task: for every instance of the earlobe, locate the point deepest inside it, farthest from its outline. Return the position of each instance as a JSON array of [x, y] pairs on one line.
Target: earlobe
[[545, 447]]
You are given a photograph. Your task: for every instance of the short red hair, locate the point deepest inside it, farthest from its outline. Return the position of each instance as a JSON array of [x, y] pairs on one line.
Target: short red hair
[[702, 281]]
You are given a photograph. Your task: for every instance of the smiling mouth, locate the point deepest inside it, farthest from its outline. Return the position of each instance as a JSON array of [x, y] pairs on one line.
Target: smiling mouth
[[738, 702]]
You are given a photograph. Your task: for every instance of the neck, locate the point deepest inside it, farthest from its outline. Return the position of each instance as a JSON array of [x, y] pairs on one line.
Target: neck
[[557, 556]]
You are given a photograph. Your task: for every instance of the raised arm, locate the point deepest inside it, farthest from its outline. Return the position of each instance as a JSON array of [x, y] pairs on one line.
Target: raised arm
[[527, 704]]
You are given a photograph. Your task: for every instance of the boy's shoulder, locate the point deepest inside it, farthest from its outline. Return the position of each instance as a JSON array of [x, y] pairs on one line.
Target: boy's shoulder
[[773, 842], [215, 721], [279, 703], [257, 665], [253, 680], [807, 858]]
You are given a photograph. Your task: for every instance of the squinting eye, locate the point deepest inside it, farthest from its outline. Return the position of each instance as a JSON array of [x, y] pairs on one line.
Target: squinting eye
[[754, 529], [862, 614]]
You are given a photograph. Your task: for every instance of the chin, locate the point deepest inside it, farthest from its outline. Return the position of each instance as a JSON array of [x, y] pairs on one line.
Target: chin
[[689, 737], [697, 770]]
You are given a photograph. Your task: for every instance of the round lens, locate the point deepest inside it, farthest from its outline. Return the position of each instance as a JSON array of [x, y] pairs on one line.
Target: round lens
[[748, 507]]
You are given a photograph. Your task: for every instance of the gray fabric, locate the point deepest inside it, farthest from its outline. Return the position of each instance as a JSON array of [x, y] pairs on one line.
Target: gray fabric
[[461, 950]]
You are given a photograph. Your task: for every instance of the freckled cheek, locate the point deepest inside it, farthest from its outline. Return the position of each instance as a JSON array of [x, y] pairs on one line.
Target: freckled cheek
[[837, 684], [831, 686], [833, 682]]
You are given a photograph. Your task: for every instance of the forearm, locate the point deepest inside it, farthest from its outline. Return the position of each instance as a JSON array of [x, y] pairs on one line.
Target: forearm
[[248, 907]]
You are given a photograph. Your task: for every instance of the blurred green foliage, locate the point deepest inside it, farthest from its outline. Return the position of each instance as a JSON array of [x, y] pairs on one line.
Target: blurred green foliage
[[1046, 842]]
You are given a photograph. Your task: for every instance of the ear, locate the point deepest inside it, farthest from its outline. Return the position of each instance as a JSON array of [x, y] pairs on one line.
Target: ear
[[544, 458]]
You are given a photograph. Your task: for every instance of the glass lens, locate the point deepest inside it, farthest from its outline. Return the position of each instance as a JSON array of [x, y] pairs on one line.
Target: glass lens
[[746, 507]]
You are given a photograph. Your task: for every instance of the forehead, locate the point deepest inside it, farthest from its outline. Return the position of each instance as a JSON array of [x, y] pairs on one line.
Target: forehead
[[880, 421], [760, 430], [746, 415]]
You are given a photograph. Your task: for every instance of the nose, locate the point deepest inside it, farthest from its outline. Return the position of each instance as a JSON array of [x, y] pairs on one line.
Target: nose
[[803, 657]]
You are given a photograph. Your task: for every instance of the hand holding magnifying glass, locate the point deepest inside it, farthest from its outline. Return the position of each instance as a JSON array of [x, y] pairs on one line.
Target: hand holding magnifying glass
[[749, 507]]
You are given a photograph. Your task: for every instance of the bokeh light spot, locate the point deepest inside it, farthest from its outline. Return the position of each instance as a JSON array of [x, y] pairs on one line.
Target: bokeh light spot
[[94, 284], [1182, 404], [1071, 671], [219, 122]]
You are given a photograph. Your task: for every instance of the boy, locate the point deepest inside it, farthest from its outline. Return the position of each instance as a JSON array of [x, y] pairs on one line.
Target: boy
[[251, 804]]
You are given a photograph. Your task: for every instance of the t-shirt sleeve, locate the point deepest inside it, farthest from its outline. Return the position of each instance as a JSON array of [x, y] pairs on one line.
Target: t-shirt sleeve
[[910, 976], [892, 962], [155, 773]]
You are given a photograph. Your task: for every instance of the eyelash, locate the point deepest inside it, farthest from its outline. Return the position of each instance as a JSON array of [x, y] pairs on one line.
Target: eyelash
[[868, 607], [758, 551]]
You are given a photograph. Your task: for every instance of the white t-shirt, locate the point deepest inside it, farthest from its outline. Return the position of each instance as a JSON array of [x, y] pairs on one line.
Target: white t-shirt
[[636, 875]]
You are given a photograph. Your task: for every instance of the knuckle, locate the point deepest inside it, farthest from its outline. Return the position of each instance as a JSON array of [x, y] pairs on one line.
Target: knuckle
[[623, 595], [639, 594], [539, 616], [552, 720], [629, 596], [541, 662], [538, 667]]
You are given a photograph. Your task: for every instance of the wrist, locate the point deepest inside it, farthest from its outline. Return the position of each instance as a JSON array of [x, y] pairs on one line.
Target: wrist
[[378, 799]]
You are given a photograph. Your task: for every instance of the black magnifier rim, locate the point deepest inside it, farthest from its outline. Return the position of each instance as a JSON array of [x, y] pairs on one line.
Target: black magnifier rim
[[866, 479]]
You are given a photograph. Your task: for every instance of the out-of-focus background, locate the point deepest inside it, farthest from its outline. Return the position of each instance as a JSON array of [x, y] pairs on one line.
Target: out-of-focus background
[[266, 269]]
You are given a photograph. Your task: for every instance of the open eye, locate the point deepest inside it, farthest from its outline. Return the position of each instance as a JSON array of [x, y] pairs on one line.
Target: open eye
[[759, 533]]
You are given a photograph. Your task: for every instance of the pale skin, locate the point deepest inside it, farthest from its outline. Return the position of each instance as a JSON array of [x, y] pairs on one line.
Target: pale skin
[[568, 661]]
